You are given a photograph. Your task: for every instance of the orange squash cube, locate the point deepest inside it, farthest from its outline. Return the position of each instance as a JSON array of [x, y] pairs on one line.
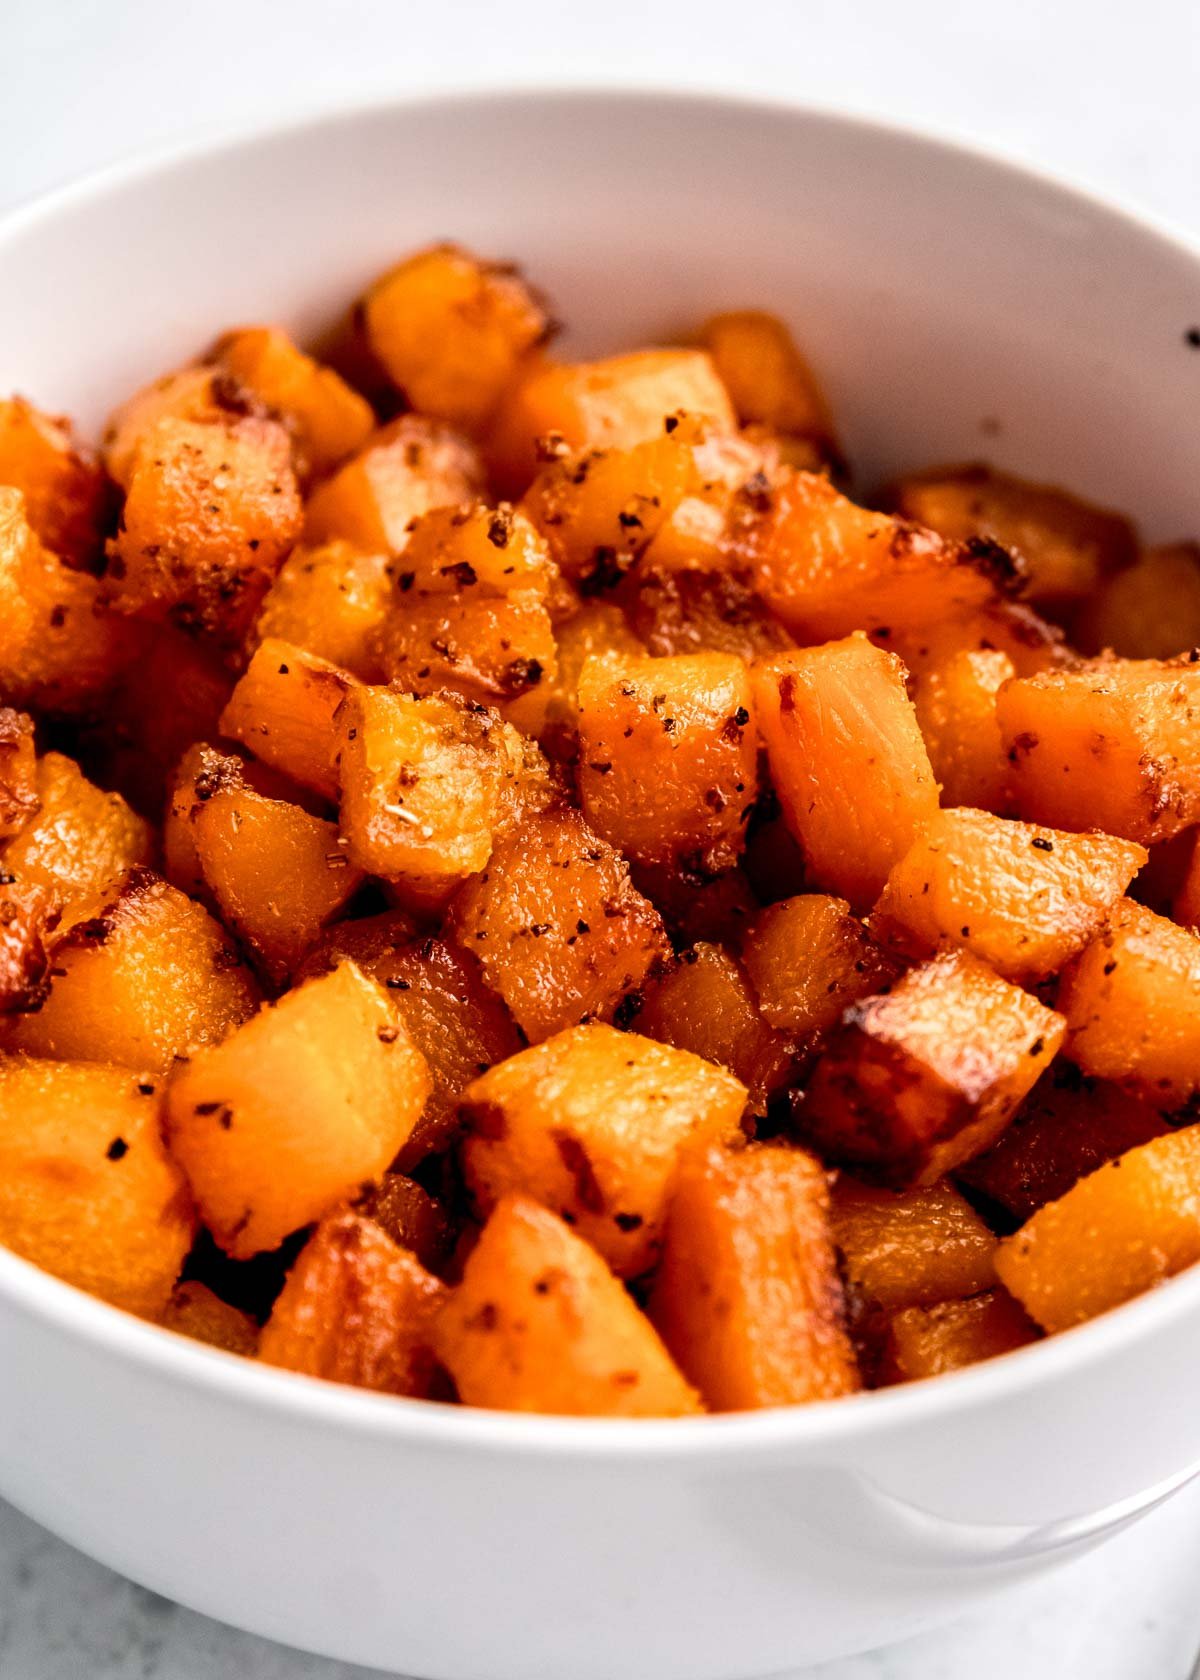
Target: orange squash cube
[[1151, 610], [691, 611], [913, 1248], [412, 1218], [920, 1079], [286, 709], [206, 396], [326, 418], [1147, 1205], [355, 1309], [540, 1324], [929, 1341], [847, 759], [591, 1123], [404, 469], [768, 380], [956, 709], [747, 1297], [68, 499], [1022, 897], [296, 1109], [808, 959], [28, 915], [330, 601]]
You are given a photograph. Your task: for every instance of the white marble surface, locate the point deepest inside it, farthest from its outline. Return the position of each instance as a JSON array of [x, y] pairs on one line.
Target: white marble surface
[[1106, 97]]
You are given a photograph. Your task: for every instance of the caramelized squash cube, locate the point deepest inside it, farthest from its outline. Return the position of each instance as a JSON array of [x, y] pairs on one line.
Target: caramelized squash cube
[[540, 1324], [412, 1218], [295, 1109], [87, 1190], [591, 1123], [286, 709], [847, 760], [326, 418], [1022, 897], [808, 959], [28, 914], [404, 469], [1146, 1206], [148, 980], [747, 1297], [918, 1080], [356, 1309], [768, 380], [911, 1249], [203, 396], [689, 611], [956, 710], [1151, 610], [330, 601], [68, 499], [561, 933], [929, 1341]]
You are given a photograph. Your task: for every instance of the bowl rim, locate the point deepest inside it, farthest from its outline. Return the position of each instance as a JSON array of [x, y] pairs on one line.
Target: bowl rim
[[713, 1437]]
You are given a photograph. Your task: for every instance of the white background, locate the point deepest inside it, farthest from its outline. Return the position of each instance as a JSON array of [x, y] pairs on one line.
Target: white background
[[1107, 96]]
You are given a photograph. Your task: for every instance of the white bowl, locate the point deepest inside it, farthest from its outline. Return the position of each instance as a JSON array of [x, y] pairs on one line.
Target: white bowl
[[955, 306]]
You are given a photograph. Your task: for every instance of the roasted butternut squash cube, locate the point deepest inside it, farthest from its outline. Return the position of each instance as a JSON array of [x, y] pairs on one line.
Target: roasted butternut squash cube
[[146, 981], [276, 873], [929, 1341], [540, 1324], [591, 1124], [18, 772], [690, 611], [594, 628], [1067, 1127], [404, 469], [195, 1312], [808, 959], [451, 329], [59, 649], [668, 753], [1000, 625], [327, 419], [496, 550], [768, 380], [1111, 744], [1068, 546], [287, 710], [68, 499], [612, 404], [459, 1025], [558, 928], [196, 393], [747, 1296], [956, 709], [706, 1004], [847, 759], [428, 783], [81, 841], [330, 601], [210, 513], [203, 772], [1151, 610], [355, 1309], [1147, 1205], [827, 567], [911, 1249], [1022, 897], [87, 1190], [412, 1218], [28, 915], [296, 1109], [918, 1080], [1132, 1003]]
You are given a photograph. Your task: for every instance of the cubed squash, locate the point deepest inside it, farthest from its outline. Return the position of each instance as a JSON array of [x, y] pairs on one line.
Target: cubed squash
[[612, 404], [59, 649], [747, 1296], [210, 513], [68, 499], [276, 873], [286, 709], [203, 772], [1146, 1204], [827, 567], [1067, 545], [326, 418], [808, 959], [913, 1248], [451, 329], [847, 759], [591, 1124], [148, 980], [195, 1312], [196, 393], [705, 1004], [18, 772], [404, 469], [81, 841], [87, 1190], [929, 1341], [1067, 1127], [540, 1324], [293, 1111], [668, 758], [769, 382], [560, 931], [28, 915], [918, 1080], [1110, 744], [688, 610], [329, 600], [594, 627], [411, 1217], [956, 709], [428, 784], [1151, 610], [355, 1309], [1132, 1003], [1022, 897]]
